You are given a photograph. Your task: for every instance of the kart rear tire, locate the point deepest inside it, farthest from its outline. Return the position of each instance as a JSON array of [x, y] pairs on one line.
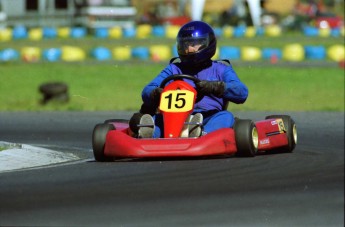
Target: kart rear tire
[[246, 136], [291, 131], [98, 141]]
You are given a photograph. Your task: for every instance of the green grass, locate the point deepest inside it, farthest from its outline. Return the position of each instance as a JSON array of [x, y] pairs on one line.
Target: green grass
[[295, 89], [101, 86], [6, 146]]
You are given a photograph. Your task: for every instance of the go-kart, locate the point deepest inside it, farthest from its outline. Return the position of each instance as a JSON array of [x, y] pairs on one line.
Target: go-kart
[[113, 139]]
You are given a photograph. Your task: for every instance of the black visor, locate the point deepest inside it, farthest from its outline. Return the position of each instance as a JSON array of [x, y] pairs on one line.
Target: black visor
[[184, 42]]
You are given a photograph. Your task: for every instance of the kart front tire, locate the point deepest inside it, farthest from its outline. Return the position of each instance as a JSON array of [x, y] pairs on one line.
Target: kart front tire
[[246, 136], [98, 141], [291, 131]]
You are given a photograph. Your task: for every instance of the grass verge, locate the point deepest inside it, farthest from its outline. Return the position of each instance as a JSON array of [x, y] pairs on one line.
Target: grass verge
[[100, 86]]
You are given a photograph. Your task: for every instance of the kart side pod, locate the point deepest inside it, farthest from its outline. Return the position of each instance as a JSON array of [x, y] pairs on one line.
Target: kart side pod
[[279, 135]]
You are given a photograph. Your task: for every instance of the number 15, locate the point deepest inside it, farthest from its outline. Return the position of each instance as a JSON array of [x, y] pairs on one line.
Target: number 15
[[177, 101]]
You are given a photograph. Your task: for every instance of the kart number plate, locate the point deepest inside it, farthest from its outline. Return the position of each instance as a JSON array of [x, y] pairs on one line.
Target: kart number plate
[[177, 101], [281, 125]]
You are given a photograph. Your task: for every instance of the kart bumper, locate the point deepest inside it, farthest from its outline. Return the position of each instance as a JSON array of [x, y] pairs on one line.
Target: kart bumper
[[120, 144]]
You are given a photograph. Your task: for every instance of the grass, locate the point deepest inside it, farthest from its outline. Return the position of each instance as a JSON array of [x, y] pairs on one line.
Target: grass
[[117, 86], [101, 86], [295, 89], [6, 146]]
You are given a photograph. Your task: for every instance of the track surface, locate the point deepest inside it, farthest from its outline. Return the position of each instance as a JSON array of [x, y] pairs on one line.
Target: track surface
[[305, 188]]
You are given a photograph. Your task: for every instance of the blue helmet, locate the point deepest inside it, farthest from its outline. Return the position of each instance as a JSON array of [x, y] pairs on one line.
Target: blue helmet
[[192, 33]]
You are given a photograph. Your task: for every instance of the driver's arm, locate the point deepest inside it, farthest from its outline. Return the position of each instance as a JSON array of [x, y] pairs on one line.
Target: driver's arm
[[154, 84], [235, 90]]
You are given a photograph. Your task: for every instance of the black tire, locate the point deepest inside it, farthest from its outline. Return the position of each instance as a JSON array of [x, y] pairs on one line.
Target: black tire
[[291, 131], [54, 91], [54, 88], [98, 141], [246, 136], [116, 120]]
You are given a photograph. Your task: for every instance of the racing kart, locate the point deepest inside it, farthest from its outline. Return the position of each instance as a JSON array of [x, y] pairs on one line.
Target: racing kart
[[113, 139]]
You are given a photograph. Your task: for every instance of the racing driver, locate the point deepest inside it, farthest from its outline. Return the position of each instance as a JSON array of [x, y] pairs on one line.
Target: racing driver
[[219, 83]]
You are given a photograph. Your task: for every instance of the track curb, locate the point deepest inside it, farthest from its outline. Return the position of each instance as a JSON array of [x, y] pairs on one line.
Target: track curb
[[15, 156]]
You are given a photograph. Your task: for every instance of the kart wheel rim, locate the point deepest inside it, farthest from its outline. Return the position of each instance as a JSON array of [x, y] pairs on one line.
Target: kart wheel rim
[[255, 138], [294, 133]]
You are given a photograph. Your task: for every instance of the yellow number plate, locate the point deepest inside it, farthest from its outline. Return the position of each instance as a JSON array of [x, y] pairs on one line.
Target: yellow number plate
[[177, 101], [281, 125]]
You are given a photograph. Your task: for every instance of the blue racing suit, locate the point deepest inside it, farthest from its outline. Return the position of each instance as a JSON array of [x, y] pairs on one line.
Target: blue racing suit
[[212, 108]]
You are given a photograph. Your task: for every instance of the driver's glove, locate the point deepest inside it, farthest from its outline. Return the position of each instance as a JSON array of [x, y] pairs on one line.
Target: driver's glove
[[215, 88], [155, 95]]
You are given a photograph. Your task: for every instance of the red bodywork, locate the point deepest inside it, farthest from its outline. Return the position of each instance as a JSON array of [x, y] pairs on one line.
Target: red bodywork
[[119, 144], [174, 121], [271, 134], [182, 96], [221, 142]]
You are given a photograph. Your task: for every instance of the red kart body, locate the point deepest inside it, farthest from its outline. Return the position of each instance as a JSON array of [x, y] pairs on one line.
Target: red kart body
[[221, 142], [113, 139]]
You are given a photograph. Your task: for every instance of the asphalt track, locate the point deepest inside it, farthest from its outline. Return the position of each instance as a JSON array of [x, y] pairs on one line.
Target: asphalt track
[[305, 188]]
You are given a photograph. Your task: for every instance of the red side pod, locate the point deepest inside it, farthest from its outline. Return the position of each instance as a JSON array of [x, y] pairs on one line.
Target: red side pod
[[120, 125], [119, 144], [272, 134]]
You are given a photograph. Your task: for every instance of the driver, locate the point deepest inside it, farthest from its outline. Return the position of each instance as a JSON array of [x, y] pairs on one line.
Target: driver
[[196, 45]]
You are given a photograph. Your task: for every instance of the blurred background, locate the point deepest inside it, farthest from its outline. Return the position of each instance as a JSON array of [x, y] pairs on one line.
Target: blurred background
[[71, 30], [32, 30], [107, 13], [114, 45], [291, 14]]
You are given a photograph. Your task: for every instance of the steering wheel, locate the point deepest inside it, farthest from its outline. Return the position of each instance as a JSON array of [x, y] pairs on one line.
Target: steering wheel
[[181, 77]]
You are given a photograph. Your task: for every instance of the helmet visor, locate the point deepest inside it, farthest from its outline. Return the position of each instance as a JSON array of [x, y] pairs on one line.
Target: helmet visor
[[188, 45]]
